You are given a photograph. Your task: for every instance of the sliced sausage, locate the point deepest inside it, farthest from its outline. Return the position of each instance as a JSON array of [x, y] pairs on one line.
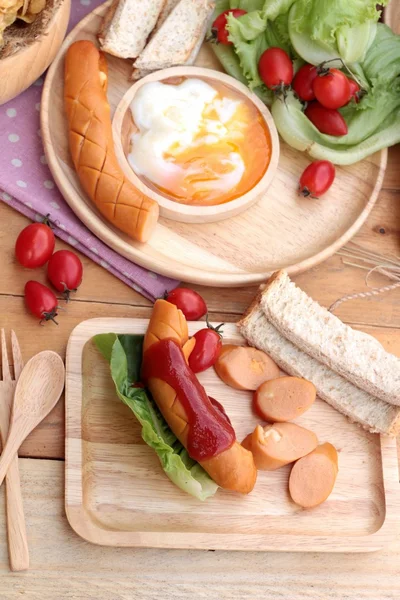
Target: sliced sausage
[[313, 477], [283, 399], [245, 368], [277, 445]]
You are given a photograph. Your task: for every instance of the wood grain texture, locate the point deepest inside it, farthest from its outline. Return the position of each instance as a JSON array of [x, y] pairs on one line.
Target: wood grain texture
[[16, 528], [281, 230], [20, 70], [117, 494], [37, 391], [63, 566], [391, 15]]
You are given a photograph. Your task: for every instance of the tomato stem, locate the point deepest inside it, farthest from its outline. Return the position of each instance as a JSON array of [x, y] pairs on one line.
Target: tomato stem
[[46, 221], [49, 316], [216, 329]]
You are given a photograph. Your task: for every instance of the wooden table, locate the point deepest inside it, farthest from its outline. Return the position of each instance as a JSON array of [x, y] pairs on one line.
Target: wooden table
[[65, 566]]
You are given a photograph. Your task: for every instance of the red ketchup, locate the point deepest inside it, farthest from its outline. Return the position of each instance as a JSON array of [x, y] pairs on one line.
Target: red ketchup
[[210, 431]]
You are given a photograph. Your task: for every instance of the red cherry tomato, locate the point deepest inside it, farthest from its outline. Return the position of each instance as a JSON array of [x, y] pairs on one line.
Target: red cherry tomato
[[207, 349], [326, 120], [220, 408], [219, 31], [275, 68], [355, 91], [189, 302], [34, 245], [40, 301], [331, 88], [303, 82], [65, 272], [317, 178]]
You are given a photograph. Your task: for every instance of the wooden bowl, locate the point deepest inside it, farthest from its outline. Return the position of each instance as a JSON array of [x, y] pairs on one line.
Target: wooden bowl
[[123, 126], [20, 70]]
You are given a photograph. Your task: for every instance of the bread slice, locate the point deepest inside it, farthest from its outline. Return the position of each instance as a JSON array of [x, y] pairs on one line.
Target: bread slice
[[355, 355], [179, 35], [127, 25], [139, 73], [371, 413], [168, 7]]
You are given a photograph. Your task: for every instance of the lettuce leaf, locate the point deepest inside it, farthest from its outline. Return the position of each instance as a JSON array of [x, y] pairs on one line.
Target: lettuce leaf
[[124, 354], [369, 131], [321, 20], [322, 30]]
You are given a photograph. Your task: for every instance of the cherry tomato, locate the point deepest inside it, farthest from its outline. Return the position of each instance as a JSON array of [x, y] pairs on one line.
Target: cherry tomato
[[331, 88], [220, 408], [189, 302], [355, 90], [41, 301], [326, 120], [317, 178], [207, 349], [219, 30], [65, 272], [34, 245], [303, 82], [275, 68]]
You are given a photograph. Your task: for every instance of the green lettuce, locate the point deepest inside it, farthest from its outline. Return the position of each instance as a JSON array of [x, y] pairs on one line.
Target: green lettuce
[[124, 354]]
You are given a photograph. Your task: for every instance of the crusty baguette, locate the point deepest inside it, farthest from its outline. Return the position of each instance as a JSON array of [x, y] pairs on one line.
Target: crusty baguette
[[92, 147], [371, 413], [232, 469], [179, 35], [127, 25], [355, 355]]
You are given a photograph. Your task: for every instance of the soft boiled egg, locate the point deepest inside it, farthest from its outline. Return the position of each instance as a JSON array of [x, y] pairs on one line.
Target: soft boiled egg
[[198, 143]]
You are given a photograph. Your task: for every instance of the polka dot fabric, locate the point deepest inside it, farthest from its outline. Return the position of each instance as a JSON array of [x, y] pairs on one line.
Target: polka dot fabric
[[26, 183]]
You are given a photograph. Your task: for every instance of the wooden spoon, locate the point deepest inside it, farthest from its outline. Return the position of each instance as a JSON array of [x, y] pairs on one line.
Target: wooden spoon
[[37, 392]]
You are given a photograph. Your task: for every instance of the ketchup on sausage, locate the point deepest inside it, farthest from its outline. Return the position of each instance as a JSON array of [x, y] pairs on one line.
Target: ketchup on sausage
[[209, 432]]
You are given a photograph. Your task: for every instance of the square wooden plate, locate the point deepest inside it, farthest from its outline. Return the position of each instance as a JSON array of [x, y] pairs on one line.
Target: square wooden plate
[[117, 494]]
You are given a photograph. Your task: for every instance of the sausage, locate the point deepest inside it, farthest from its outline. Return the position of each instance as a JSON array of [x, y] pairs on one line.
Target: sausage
[[233, 468], [277, 445], [313, 477], [92, 147], [245, 368], [283, 399], [188, 348]]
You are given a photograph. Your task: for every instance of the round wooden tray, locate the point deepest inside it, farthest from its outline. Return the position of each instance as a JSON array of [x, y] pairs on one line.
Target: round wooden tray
[[280, 231]]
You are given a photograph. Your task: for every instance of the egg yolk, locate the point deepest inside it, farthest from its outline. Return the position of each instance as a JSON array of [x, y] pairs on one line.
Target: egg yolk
[[200, 144]]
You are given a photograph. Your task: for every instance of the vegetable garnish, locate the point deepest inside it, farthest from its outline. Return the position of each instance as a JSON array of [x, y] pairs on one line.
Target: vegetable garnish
[[124, 354], [317, 178], [344, 32]]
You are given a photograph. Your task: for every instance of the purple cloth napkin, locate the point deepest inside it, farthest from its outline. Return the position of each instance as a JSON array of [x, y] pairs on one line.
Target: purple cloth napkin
[[26, 183]]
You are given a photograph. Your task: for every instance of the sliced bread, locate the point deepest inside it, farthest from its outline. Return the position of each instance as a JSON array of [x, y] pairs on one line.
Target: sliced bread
[[139, 73], [371, 413], [179, 35], [168, 7], [355, 355], [127, 25]]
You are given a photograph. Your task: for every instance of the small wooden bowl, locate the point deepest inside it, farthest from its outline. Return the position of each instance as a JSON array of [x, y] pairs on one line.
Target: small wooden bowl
[[20, 70], [123, 126]]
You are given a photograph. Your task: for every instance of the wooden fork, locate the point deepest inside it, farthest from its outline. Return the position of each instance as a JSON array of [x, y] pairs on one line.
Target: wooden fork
[[17, 540]]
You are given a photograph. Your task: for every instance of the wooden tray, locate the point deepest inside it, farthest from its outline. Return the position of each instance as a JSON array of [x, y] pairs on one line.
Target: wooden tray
[[281, 231], [117, 494]]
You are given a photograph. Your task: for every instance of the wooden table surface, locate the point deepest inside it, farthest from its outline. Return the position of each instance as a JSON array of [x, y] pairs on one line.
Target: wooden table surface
[[65, 566]]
